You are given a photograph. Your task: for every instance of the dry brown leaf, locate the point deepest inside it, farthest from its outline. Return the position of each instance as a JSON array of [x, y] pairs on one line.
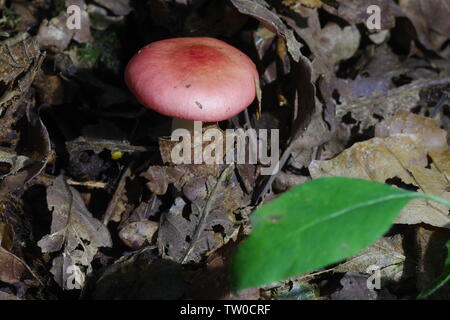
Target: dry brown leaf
[[74, 229], [400, 156]]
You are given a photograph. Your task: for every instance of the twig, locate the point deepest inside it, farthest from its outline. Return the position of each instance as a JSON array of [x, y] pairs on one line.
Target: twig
[[88, 184]]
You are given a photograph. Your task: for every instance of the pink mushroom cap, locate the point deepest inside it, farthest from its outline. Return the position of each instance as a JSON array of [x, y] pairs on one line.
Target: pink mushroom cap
[[201, 79]]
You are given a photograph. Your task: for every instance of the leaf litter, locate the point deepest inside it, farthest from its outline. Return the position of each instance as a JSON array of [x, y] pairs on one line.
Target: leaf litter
[[81, 158]]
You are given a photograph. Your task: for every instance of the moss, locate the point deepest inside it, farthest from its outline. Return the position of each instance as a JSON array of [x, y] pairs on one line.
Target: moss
[[103, 52], [57, 6]]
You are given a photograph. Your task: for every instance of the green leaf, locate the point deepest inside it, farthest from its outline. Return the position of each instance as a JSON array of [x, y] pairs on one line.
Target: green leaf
[[443, 279], [316, 224]]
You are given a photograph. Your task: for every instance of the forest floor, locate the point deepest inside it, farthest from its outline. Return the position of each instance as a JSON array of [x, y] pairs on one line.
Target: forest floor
[[92, 208]]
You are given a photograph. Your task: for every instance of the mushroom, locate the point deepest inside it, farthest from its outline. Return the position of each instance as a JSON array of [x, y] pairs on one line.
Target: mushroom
[[192, 79]]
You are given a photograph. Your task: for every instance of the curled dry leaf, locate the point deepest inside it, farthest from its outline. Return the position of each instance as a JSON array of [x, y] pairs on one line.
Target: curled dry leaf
[[74, 230], [400, 156]]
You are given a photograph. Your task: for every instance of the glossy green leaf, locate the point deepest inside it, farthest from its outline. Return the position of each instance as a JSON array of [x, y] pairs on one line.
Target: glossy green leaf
[[316, 224]]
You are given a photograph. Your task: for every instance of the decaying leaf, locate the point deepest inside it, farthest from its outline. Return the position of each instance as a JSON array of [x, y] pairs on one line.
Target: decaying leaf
[[401, 156], [74, 230]]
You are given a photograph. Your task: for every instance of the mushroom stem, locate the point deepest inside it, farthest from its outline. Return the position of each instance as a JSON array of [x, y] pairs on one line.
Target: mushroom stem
[[182, 124], [190, 125]]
